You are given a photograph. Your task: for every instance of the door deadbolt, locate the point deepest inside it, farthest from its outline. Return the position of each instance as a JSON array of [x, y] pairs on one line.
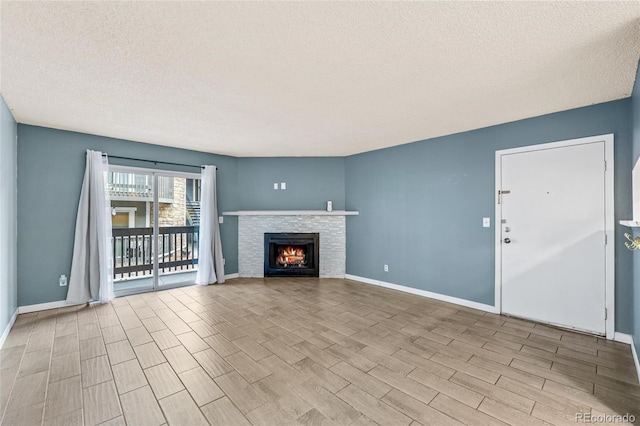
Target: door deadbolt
[[507, 240]]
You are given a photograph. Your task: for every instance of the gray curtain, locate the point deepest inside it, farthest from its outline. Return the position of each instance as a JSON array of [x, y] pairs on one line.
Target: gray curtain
[[91, 275], [210, 261]]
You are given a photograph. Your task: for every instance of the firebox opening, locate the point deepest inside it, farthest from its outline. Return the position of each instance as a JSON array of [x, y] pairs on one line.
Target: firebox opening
[[291, 254]]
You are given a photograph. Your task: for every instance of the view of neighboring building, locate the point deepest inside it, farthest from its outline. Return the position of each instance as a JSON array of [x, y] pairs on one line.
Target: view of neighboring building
[[132, 208]]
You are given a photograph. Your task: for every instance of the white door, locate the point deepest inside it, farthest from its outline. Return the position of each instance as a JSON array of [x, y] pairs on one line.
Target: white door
[[553, 252]]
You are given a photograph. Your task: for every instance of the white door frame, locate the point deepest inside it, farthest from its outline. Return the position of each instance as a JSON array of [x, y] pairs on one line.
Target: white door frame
[[609, 220]]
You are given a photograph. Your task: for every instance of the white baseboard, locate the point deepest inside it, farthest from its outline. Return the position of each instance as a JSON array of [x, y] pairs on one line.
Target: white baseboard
[[635, 357], [46, 306], [231, 276], [628, 338], [623, 338], [7, 329], [424, 293]]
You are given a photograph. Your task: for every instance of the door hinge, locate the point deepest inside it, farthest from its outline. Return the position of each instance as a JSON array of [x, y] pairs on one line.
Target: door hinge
[[605, 165], [606, 313], [606, 239]]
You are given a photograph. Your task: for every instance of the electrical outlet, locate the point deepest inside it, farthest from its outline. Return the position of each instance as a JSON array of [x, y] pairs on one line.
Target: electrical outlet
[[275, 185], [283, 185], [63, 280], [386, 268], [220, 219], [224, 261], [486, 222]]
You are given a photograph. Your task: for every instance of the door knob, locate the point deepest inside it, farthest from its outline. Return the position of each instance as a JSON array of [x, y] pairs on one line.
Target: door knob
[[507, 240]]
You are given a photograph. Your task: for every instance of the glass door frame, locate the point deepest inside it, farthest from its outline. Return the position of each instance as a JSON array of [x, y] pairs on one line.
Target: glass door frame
[[154, 173]]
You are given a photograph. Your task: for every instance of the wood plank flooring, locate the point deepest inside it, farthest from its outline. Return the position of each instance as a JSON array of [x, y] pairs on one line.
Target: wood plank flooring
[[306, 352]]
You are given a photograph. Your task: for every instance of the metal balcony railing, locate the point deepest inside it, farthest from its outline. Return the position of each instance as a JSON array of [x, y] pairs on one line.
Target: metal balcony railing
[[135, 187], [134, 254]]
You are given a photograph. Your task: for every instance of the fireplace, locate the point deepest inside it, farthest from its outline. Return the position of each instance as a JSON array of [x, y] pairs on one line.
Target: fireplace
[[291, 255]]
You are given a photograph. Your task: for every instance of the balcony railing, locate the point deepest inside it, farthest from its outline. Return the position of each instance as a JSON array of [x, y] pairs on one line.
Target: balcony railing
[[133, 252], [134, 187]]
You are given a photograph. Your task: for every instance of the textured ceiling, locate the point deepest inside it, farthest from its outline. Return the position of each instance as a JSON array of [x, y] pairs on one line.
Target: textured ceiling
[[308, 78]]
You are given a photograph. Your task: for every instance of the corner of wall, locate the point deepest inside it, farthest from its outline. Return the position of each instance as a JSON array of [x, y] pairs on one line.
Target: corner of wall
[[7, 328], [8, 219]]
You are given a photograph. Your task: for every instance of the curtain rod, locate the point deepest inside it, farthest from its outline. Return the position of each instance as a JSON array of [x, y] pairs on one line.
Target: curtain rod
[[153, 161]]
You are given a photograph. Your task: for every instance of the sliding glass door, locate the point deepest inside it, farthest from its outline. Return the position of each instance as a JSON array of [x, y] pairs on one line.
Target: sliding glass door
[[132, 194], [177, 231], [155, 221]]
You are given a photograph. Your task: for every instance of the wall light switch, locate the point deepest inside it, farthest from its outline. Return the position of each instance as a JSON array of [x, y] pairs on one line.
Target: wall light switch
[[275, 186], [63, 280], [283, 185], [220, 219], [486, 222], [386, 268]]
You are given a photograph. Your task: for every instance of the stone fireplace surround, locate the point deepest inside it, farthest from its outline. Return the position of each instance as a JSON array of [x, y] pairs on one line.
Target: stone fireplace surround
[[252, 225]]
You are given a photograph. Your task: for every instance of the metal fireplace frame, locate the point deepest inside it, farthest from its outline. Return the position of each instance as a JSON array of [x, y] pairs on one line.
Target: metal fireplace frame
[[272, 240]]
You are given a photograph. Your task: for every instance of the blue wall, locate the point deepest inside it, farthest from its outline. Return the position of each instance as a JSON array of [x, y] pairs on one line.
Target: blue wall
[[50, 171], [421, 204], [635, 128], [8, 214], [311, 182]]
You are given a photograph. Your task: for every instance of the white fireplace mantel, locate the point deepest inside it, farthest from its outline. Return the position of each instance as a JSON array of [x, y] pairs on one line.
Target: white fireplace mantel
[[291, 213]]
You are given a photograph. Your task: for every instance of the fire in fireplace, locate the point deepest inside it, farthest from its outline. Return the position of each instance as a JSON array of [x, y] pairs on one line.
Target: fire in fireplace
[[291, 254], [292, 257]]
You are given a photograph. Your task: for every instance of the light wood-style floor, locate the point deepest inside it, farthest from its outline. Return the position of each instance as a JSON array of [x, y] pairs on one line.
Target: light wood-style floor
[[303, 351]]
